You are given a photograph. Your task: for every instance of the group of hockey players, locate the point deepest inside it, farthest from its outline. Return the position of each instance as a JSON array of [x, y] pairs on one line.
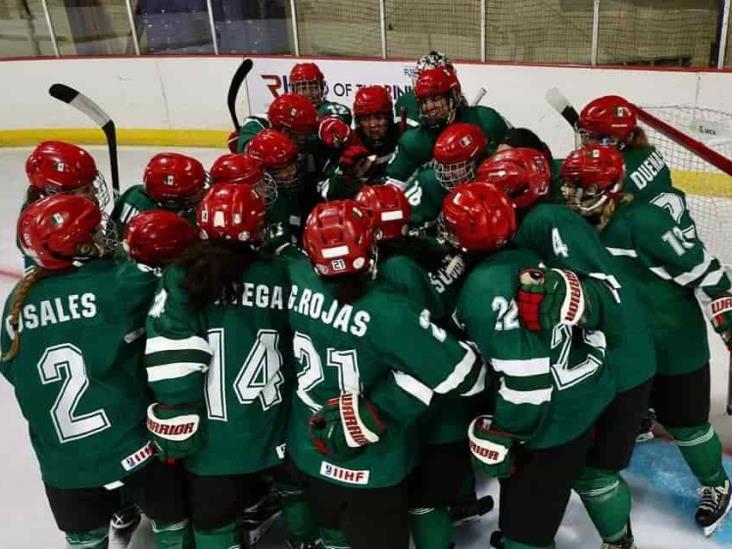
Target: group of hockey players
[[355, 311]]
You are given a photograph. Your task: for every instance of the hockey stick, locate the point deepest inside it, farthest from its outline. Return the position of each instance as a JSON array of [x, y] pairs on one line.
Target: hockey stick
[[81, 102], [236, 82], [562, 105], [478, 97]]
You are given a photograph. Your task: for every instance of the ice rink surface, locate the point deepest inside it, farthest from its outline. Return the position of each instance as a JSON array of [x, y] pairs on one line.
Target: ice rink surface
[[664, 492]]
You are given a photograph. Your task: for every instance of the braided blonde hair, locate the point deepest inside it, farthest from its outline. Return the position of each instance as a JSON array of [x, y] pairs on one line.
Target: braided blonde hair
[[24, 288]]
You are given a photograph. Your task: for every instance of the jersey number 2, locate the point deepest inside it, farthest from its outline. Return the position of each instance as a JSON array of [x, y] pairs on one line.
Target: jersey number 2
[[65, 363]]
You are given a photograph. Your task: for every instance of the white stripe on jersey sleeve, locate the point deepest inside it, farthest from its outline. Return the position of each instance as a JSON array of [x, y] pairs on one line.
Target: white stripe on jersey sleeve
[[537, 396], [685, 278], [623, 252], [413, 386], [460, 372], [522, 368], [160, 344], [174, 371]]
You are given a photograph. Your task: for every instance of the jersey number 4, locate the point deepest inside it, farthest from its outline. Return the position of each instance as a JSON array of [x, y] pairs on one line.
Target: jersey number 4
[[259, 377], [65, 364]]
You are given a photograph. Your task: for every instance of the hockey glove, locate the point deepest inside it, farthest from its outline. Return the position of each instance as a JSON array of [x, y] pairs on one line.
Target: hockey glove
[[548, 298], [355, 162], [176, 430], [490, 449], [721, 315], [333, 132], [345, 424]]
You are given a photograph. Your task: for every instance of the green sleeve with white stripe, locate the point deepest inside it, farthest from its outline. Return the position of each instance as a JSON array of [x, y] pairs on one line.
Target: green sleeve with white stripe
[[249, 128], [668, 244], [409, 342], [177, 352], [518, 359]]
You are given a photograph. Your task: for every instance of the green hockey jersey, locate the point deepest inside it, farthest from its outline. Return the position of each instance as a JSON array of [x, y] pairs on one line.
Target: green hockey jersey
[[658, 249], [425, 194], [331, 108], [646, 173], [233, 357], [550, 387], [341, 347], [415, 146], [564, 240], [135, 200], [78, 377], [433, 285], [407, 103], [251, 126]]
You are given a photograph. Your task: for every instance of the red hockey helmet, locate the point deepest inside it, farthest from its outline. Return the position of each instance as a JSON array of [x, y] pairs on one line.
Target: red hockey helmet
[[307, 80], [231, 211], [240, 168], [523, 174], [293, 113], [339, 238], [438, 96], [478, 217], [373, 100], [389, 209], [277, 154], [609, 120], [157, 237], [175, 181], [457, 152], [58, 167], [62, 230], [591, 176]]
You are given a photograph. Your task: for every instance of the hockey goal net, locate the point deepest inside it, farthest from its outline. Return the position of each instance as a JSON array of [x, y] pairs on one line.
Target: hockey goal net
[[708, 189]]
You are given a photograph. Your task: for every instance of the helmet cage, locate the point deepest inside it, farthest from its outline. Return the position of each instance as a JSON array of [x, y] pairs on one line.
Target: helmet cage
[[310, 88], [453, 102], [455, 173], [588, 201]]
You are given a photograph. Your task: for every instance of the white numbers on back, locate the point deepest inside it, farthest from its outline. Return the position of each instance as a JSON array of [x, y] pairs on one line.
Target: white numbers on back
[[259, 377], [565, 374], [346, 362], [507, 314], [65, 363], [560, 248], [672, 203], [414, 194]]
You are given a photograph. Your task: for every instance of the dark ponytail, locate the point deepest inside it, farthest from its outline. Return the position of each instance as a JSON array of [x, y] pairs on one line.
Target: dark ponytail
[[214, 271]]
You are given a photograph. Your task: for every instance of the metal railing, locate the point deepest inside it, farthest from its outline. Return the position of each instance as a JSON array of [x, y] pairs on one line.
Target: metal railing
[[555, 31]]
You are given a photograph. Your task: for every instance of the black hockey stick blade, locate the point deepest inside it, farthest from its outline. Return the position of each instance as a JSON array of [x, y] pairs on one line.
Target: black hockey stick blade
[[82, 103], [236, 82], [729, 386], [562, 105]]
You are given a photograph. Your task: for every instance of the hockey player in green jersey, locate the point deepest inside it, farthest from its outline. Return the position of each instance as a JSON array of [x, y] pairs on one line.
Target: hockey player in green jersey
[[440, 103], [155, 238], [171, 181], [348, 361], [307, 80], [458, 151], [277, 155], [216, 355], [241, 168], [657, 248], [290, 114], [550, 385], [443, 480], [56, 167], [611, 120], [406, 105], [563, 240], [377, 134], [73, 345]]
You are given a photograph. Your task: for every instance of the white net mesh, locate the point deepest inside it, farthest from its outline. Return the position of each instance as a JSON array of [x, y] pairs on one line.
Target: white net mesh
[[709, 191]]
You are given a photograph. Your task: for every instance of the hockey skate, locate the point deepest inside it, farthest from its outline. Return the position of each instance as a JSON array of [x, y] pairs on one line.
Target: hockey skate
[[257, 520], [123, 525], [462, 513], [645, 431], [715, 503]]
